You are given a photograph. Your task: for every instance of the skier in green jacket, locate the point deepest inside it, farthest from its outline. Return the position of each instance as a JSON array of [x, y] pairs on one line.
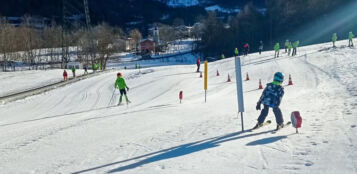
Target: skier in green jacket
[[120, 83], [286, 45], [222, 56], [276, 48], [350, 39], [236, 52], [74, 71], [290, 46], [295, 46], [334, 39]]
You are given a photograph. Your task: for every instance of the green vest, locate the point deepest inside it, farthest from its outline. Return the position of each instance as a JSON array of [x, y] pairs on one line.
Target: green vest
[[236, 52], [277, 47], [334, 38], [351, 36], [287, 44]]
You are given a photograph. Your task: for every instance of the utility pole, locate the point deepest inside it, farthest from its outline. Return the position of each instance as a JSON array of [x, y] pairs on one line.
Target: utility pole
[[62, 35], [86, 10]]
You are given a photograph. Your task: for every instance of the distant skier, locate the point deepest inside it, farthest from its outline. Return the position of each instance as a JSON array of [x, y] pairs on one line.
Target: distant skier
[[286, 45], [261, 47], [85, 70], [295, 46], [222, 56], [350, 39], [65, 75], [74, 72], [94, 67], [121, 85], [290, 46], [246, 49], [277, 49], [236, 52], [271, 97], [198, 62], [334, 39]]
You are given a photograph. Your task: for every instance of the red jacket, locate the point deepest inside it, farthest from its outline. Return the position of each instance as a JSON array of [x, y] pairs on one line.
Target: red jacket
[[65, 73], [198, 61], [246, 46]]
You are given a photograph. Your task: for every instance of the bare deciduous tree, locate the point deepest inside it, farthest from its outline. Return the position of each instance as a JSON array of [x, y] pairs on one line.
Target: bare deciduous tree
[[136, 36]]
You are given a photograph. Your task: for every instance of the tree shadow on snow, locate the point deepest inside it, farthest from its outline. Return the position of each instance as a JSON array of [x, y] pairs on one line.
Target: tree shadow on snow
[[174, 152]]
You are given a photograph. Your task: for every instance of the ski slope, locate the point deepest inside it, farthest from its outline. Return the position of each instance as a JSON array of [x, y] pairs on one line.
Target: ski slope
[[19, 81], [72, 129]]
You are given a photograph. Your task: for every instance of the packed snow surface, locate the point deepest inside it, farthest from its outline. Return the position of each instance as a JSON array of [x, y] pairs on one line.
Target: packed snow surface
[[72, 129], [18, 81]]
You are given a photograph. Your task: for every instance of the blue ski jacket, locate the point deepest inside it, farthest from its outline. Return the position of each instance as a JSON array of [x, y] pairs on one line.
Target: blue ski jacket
[[272, 95]]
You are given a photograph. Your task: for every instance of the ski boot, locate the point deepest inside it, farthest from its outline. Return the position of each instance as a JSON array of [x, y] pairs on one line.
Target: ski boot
[[279, 126], [258, 125]]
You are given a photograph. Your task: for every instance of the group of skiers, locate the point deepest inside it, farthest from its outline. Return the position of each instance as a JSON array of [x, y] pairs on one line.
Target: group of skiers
[[271, 96], [288, 48], [350, 39], [65, 74]]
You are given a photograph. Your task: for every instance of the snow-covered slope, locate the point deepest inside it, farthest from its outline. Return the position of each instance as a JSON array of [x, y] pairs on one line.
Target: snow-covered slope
[[18, 81], [180, 3], [72, 130]]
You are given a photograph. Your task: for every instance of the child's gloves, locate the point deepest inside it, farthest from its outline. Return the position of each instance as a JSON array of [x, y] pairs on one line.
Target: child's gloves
[[258, 106]]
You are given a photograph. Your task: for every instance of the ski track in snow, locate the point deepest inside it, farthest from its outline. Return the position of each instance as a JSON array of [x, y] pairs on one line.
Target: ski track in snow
[[72, 129]]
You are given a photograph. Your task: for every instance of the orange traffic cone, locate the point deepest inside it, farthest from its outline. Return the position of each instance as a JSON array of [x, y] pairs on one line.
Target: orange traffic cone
[[217, 73], [290, 81], [229, 78], [260, 84], [200, 74], [247, 77]]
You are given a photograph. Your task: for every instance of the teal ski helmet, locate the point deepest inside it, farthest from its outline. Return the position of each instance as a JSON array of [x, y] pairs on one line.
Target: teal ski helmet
[[279, 77]]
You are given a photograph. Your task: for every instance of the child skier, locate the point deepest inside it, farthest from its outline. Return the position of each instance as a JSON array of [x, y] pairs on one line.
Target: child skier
[[334, 39], [198, 62], [74, 71], [286, 45], [290, 46], [236, 52], [85, 70], [65, 75], [350, 39], [271, 97], [246, 49], [276, 48], [120, 83], [295, 46]]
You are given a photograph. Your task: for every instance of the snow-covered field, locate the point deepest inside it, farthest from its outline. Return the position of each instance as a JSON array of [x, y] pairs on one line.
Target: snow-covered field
[[18, 81], [72, 129]]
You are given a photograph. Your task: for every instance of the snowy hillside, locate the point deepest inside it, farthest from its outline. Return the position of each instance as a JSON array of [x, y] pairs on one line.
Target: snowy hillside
[[180, 3], [72, 129]]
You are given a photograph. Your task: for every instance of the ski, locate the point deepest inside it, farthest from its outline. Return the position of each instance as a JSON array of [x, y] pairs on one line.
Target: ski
[[264, 124], [285, 125]]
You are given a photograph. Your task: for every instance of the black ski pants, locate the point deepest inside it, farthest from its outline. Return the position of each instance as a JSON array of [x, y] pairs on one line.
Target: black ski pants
[[277, 112]]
